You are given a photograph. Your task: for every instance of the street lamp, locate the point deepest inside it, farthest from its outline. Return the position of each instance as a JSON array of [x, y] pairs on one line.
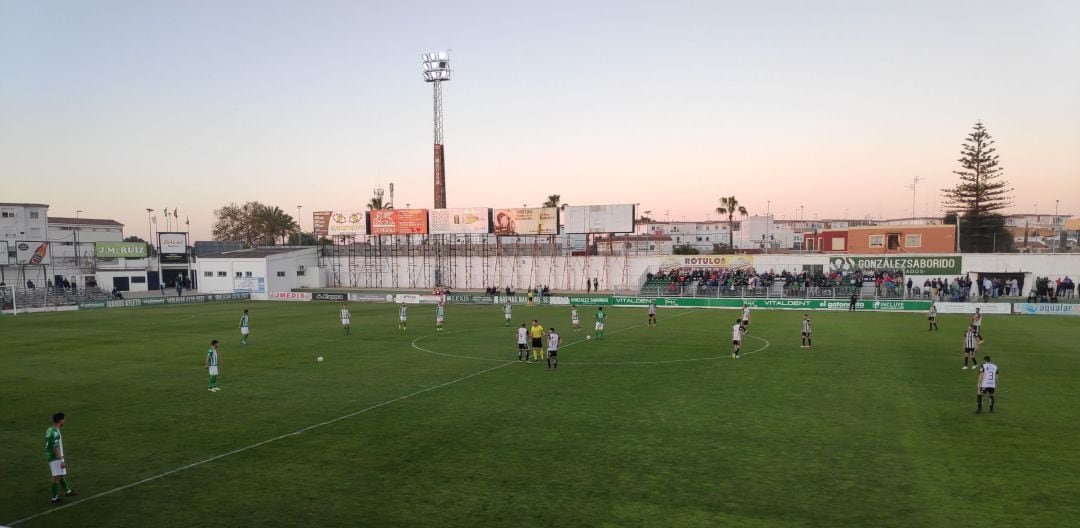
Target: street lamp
[[149, 227], [299, 227], [77, 213]]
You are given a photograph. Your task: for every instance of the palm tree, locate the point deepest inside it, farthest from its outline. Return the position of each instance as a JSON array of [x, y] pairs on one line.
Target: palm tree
[[377, 203], [730, 206], [272, 223], [552, 200]]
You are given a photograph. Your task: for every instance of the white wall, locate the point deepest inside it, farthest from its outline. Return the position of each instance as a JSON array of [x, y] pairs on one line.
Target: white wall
[[267, 268], [105, 279], [617, 272]]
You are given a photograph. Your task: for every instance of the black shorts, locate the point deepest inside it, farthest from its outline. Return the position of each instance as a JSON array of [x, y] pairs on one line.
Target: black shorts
[[986, 390], [969, 351], [553, 353], [537, 343], [806, 334], [931, 317], [523, 346], [652, 316], [736, 343], [744, 322]]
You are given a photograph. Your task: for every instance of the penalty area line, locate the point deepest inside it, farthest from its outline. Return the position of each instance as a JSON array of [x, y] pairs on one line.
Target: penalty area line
[[258, 444]]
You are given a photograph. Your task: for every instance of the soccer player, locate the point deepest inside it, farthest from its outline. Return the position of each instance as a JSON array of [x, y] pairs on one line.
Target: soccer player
[[976, 320], [537, 333], [345, 317], [245, 330], [575, 318], [523, 343], [54, 452], [599, 327], [652, 312], [211, 365], [440, 315], [971, 342], [507, 311], [553, 350], [745, 317], [988, 377], [806, 329], [933, 317], [736, 338], [402, 316]]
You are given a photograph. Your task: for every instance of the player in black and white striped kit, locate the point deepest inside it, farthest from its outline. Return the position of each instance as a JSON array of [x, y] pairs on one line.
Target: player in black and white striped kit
[[971, 342], [988, 378], [932, 316], [806, 329], [976, 321]]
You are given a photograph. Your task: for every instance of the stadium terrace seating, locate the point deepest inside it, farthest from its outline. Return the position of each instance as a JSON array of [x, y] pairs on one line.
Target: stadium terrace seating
[[45, 297]]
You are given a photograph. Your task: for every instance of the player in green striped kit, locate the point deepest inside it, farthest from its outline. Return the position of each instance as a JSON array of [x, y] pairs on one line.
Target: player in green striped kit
[[600, 318], [54, 453], [403, 316], [345, 319], [211, 365], [245, 330]]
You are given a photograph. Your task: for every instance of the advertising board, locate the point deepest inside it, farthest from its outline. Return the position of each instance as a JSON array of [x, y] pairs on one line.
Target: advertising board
[[120, 249], [527, 221], [398, 222], [370, 297], [910, 265], [718, 262], [585, 219], [1046, 309], [329, 296], [969, 307], [459, 221], [173, 247], [346, 223], [320, 223], [32, 253], [290, 296], [249, 285]]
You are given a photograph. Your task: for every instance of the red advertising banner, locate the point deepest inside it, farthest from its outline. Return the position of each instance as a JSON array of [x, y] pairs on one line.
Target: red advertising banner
[[398, 222]]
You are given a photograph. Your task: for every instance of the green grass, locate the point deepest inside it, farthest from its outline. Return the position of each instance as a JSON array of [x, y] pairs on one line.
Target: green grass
[[872, 427]]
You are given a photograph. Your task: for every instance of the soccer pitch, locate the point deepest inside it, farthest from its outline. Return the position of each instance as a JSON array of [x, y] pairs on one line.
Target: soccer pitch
[[873, 426]]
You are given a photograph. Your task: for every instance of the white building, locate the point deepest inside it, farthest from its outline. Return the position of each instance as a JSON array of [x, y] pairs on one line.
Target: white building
[[23, 221], [700, 235], [1034, 220], [637, 245], [259, 271], [762, 232]]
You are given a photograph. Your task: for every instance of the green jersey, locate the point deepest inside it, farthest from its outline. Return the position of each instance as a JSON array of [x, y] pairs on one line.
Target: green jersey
[[600, 316], [53, 443], [244, 321], [211, 358]]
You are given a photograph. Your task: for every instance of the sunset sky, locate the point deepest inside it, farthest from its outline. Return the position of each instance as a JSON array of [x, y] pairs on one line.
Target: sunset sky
[[115, 106]]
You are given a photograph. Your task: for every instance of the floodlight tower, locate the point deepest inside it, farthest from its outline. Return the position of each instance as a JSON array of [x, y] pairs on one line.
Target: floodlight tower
[[436, 71]]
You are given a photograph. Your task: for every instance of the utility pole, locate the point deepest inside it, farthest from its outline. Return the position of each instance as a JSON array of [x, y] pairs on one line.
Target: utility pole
[[914, 182]]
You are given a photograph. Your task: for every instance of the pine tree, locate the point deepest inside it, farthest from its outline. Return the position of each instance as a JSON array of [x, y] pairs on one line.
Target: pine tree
[[980, 196]]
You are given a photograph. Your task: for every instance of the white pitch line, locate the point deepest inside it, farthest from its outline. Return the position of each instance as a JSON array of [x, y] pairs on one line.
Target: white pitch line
[[258, 444]]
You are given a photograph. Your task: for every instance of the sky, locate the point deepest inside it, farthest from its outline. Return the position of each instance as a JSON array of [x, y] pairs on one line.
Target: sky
[[111, 107]]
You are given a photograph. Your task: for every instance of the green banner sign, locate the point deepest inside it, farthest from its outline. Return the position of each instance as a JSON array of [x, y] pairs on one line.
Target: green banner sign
[[776, 304], [150, 301], [120, 249], [910, 265]]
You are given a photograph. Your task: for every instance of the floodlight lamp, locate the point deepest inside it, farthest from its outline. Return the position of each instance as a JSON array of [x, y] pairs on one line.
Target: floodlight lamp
[[442, 56]]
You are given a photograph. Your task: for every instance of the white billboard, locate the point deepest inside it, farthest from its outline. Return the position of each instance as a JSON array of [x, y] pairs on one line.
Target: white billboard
[[172, 243], [467, 220], [598, 219], [5, 259], [527, 221], [32, 253], [347, 223]]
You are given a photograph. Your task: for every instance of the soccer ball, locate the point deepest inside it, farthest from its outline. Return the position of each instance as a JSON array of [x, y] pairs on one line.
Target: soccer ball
[[588, 338], [319, 359]]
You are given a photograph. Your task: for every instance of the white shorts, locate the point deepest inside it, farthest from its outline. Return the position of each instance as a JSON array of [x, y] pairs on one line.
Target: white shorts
[[599, 326], [212, 369], [244, 331], [55, 466], [576, 322], [402, 319], [345, 322], [507, 316], [438, 319]]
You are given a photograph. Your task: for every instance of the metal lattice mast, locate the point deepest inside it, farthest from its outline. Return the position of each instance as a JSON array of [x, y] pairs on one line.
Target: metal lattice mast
[[436, 71]]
